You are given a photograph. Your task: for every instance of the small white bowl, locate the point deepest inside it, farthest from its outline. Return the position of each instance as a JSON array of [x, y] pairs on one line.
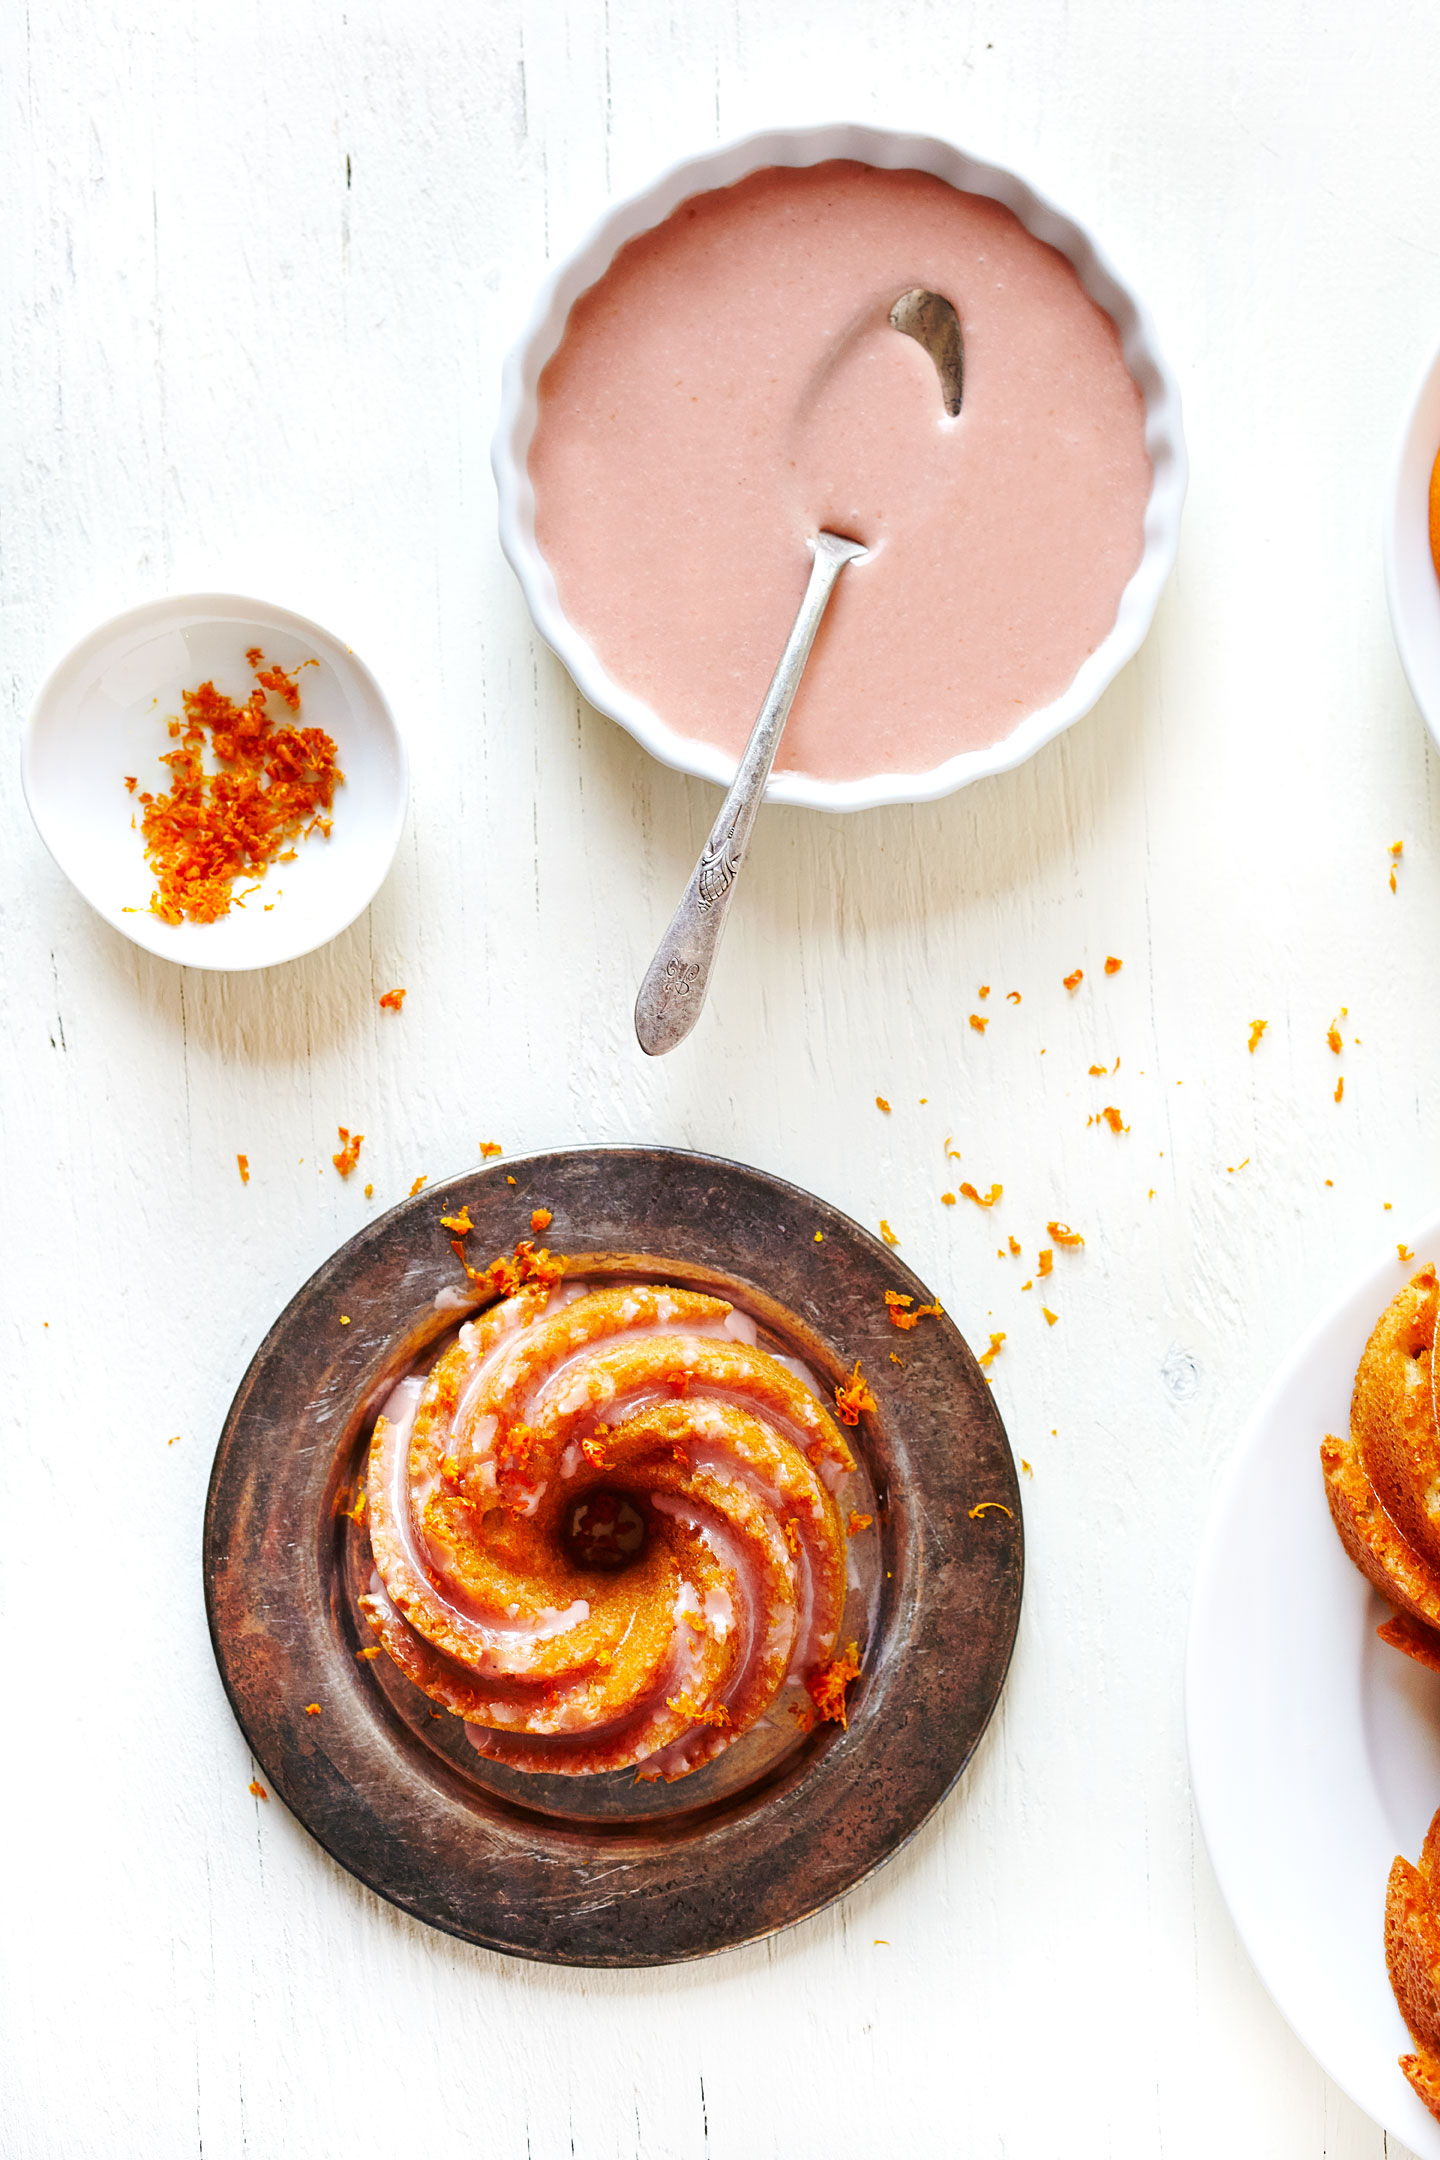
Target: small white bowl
[[1411, 584], [812, 146], [101, 715]]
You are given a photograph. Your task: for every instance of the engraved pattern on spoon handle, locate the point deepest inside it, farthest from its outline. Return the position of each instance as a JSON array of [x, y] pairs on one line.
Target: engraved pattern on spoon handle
[[679, 975]]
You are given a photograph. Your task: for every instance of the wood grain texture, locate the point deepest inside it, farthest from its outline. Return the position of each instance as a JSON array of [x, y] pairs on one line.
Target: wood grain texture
[[262, 263]]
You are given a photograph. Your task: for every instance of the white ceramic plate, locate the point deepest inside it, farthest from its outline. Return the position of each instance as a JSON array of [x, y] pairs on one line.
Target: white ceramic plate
[[1314, 1748], [811, 146], [101, 714], [1411, 585]]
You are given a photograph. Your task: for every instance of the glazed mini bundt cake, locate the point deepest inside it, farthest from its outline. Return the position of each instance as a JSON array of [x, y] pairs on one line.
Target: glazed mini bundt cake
[[606, 1532]]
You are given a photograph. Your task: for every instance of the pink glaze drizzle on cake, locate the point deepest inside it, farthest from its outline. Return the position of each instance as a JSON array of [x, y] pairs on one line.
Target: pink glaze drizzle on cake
[[732, 384]]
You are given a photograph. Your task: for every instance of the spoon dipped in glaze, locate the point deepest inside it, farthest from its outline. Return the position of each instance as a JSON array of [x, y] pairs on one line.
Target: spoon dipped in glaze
[[678, 977]]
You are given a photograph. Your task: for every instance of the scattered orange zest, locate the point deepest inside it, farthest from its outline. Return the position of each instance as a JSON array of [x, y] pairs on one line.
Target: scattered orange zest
[[699, 1714], [541, 1219], [1332, 1033], [826, 1686], [349, 1153], [275, 784], [1114, 1120], [244, 1165], [1013, 996], [1257, 1029], [952, 1152], [1074, 980], [947, 1199], [978, 1024], [900, 1317], [981, 1505], [415, 1188], [1063, 1235], [1050, 1317], [1405, 1252], [881, 1104], [258, 1789], [988, 1357], [853, 1396], [1112, 965], [887, 1233], [980, 1199], [393, 1000], [489, 1148], [1340, 1089], [460, 1224]]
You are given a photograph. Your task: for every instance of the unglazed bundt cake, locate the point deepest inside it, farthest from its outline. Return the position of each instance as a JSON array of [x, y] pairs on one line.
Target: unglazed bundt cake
[[606, 1532], [1412, 1957], [1383, 1482]]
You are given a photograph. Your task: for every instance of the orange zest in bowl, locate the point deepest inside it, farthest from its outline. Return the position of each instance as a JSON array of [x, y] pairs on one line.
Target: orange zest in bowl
[[275, 784]]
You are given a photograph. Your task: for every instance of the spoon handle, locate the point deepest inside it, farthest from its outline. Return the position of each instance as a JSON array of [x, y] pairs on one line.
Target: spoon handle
[[679, 975]]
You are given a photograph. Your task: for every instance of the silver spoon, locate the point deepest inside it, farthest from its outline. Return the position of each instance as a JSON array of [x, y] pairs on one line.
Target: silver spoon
[[679, 975]]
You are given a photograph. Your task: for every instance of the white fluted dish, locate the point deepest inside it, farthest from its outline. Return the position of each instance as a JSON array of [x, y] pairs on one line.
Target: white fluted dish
[[892, 150]]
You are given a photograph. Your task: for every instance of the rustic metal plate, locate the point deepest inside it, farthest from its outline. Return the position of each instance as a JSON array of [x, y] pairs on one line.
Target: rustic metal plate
[[630, 1875]]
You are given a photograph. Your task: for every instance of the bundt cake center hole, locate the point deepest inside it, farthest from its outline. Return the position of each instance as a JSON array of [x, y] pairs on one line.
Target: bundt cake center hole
[[605, 1530]]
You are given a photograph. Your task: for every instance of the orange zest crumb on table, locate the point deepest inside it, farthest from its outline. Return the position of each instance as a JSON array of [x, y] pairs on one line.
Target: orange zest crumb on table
[[392, 1000], [952, 1152], [1074, 979], [1063, 1235], [415, 1187], [1404, 1252], [1050, 1317], [988, 1357], [349, 1153], [978, 1024], [489, 1148], [243, 1163], [1112, 965], [968, 1192], [886, 1233], [881, 1104], [948, 1199], [1012, 997], [258, 1789], [1113, 1119], [853, 1396], [1340, 1089], [369, 1192], [1332, 1033]]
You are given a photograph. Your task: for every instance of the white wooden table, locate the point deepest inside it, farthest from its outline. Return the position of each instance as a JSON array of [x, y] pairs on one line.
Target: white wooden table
[[261, 266]]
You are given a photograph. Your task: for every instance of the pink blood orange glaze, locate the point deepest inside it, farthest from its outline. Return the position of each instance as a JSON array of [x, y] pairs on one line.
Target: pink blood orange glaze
[[732, 384]]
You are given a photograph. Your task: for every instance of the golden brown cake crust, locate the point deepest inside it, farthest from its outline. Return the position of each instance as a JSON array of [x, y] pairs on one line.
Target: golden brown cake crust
[[1392, 1414]]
